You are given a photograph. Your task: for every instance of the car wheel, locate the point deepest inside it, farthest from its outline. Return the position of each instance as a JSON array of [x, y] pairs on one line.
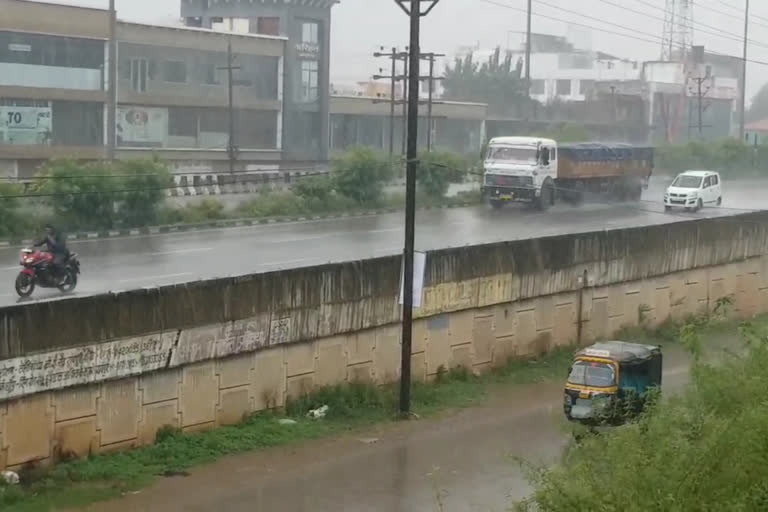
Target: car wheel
[[699, 205], [719, 201]]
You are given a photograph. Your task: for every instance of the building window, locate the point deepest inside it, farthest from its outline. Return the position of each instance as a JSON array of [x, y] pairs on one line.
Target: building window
[[309, 81], [537, 86], [44, 50], [175, 71], [310, 32], [139, 72], [268, 26], [563, 87], [262, 73], [211, 73]]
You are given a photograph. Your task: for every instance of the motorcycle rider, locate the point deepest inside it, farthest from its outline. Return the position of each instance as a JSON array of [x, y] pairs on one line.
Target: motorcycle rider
[[56, 244]]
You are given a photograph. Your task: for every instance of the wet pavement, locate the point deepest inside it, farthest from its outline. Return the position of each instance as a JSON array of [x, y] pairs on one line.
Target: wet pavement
[[467, 459], [135, 262]]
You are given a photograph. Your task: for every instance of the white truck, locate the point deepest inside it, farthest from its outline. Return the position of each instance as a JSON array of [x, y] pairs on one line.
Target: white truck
[[539, 171]]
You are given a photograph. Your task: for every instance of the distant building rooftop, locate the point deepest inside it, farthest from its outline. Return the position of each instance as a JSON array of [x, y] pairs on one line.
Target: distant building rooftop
[[757, 126]]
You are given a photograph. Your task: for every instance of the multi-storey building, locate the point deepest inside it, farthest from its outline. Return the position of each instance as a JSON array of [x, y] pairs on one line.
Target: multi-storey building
[[172, 90]]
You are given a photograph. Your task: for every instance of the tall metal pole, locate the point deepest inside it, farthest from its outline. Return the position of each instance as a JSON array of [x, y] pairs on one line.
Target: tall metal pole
[[231, 148], [699, 81], [528, 60], [742, 103], [392, 102], [410, 207], [405, 104], [429, 101], [112, 83]]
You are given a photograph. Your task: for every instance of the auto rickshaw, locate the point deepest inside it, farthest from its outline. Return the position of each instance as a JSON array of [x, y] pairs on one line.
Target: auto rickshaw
[[610, 381]]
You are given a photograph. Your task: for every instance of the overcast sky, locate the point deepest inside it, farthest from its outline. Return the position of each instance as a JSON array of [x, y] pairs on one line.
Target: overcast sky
[[361, 26]]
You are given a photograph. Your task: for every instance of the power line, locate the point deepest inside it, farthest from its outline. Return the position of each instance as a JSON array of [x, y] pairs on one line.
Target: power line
[[741, 11], [694, 25], [725, 35], [655, 41]]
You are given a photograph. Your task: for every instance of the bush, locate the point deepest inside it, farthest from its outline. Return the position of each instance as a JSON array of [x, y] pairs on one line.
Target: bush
[[317, 188], [10, 218], [360, 174], [437, 170], [205, 210], [728, 156], [272, 204], [704, 450], [102, 195], [80, 195], [145, 185]]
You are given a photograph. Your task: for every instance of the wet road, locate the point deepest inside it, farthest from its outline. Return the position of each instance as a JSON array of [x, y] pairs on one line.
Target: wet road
[[468, 459], [135, 262]]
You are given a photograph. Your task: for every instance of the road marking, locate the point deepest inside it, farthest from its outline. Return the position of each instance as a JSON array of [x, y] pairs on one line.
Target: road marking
[[147, 278], [181, 251], [15, 267]]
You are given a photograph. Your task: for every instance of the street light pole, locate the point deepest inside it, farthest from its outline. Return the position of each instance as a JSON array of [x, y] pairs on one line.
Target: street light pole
[[742, 109], [413, 8], [231, 145]]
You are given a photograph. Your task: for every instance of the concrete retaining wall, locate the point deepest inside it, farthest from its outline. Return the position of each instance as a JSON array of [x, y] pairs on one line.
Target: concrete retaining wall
[[104, 372]]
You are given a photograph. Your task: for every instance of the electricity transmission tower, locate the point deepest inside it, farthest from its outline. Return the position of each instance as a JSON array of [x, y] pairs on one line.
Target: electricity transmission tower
[[677, 36]]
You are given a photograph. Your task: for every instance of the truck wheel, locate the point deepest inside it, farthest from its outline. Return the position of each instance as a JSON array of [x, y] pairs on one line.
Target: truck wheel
[[496, 204], [547, 197]]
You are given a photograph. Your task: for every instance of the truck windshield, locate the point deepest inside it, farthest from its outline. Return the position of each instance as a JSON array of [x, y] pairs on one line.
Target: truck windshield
[[684, 181], [585, 373], [512, 154]]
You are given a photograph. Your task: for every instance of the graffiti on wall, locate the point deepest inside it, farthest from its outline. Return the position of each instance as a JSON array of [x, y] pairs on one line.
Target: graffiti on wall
[[93, 363]]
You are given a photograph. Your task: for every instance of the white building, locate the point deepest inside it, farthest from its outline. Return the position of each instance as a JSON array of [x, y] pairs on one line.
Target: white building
[[560, 72], [676, 91]]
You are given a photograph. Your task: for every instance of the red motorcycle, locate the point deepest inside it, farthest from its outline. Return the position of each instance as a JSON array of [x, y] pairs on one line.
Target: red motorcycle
[[39, 271]]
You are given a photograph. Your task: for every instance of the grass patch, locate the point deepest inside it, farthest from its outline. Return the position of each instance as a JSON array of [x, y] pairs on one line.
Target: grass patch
[[352, 407]]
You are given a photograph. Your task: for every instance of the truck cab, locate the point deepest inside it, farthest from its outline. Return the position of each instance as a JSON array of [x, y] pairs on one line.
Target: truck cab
[[520, 169]]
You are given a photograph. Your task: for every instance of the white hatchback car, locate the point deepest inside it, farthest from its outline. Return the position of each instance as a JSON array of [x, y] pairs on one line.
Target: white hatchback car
[[693, 190]]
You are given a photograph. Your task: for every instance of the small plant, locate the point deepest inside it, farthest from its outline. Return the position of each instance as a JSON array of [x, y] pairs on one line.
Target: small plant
[[167, 432], [722, 308]]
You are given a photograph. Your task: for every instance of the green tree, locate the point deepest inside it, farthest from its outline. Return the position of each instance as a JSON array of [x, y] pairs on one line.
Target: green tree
[[758, 110], [496, 82], [102, 195], [361, 174], [80, 194], [144, 184], [437, 170], [10, 218]]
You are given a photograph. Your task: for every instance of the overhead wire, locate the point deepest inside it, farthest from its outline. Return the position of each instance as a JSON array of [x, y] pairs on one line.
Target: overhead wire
[[693, 26], [739, 9], [655, 39]]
